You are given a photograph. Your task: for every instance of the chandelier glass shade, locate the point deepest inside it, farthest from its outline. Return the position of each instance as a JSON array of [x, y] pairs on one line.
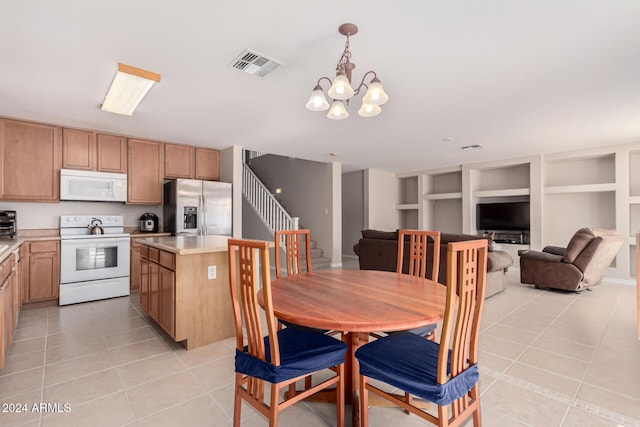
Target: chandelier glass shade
[[342, 90]]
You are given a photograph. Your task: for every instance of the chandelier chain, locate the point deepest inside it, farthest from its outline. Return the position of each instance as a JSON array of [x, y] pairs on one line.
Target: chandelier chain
[[346, 55]]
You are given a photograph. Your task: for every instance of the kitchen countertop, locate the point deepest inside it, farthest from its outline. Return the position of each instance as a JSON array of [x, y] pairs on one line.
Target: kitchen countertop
[[7, 246], [140, 234], [187, 245]]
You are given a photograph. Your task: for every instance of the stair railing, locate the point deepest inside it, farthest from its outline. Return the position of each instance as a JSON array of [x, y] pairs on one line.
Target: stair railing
[[266, 205]]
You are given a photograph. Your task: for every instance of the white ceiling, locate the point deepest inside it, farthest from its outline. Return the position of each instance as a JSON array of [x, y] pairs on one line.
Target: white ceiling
[[520, 77]]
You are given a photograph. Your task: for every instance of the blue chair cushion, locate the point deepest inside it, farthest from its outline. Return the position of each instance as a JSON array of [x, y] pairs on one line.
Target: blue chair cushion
[[301, 352], [409, 362], [422, 331], [295, 325]]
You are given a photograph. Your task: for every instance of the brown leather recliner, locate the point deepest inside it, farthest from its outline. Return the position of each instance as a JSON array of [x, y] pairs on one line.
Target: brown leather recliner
[[583, 263]]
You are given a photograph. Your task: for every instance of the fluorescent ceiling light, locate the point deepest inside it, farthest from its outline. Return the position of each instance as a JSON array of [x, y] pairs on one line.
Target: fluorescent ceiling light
[[128, 88]]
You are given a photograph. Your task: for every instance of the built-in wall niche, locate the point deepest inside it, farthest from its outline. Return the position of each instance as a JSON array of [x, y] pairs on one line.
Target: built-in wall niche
[[408, 190], [446, 215], [634, 174], [588, 170], [511, 180], [507, 217], [634, 220], [445, 183], [565, 213], [409, 219]]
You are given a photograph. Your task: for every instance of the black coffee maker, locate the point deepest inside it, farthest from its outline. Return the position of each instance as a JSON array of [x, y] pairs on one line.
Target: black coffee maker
[[149, 223]]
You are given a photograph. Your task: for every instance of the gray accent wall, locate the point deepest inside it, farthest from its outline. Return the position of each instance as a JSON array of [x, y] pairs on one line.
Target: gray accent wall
[[352, 210], [306, 191]]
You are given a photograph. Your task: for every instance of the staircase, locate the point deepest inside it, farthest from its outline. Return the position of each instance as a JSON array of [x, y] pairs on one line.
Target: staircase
[[274, 215], [318, 260]]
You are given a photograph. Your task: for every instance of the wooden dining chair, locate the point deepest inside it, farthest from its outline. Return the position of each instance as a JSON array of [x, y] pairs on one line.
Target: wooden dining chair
[[419, 253], [294, 242], [282, 357], [444, 373], [417, 264]]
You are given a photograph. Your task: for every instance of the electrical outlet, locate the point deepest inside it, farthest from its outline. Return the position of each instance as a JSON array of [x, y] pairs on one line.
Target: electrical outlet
[[211, 272]]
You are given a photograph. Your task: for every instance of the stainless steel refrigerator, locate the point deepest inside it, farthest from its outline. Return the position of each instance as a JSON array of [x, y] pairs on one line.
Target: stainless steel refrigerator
[[194, 207]]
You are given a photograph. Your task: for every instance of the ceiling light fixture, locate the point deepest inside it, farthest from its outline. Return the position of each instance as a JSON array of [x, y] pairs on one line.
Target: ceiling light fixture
[[341, 89], [129, 86]]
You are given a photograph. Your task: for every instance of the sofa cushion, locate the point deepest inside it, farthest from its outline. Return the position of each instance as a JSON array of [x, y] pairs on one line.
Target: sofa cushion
[[499, 260], [377, 234], [578, 242]]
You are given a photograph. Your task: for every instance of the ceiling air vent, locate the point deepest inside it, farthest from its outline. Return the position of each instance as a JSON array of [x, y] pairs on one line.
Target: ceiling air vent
[[472, 147], [255, 63]]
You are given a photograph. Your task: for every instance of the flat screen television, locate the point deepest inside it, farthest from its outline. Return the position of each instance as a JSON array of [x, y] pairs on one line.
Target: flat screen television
[[503, 216]]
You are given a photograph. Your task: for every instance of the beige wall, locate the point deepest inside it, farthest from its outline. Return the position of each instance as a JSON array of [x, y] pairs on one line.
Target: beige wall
[[231, 171], [381, 194], [352, 210]]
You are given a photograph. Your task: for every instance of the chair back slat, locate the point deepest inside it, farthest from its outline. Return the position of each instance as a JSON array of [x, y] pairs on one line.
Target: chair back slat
[[466, 279], [293, 241], [418, 253], [245, 280]]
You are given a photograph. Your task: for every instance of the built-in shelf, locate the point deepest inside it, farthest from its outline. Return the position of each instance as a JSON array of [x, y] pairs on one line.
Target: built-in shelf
[[584, 188], [406, 206], [502, 193], [444, 196]]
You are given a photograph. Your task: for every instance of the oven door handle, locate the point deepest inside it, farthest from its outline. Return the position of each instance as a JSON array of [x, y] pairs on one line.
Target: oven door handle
[[77, 242]]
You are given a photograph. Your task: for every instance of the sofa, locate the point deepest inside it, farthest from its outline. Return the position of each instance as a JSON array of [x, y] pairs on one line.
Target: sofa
[[583, 263], [378, 250]]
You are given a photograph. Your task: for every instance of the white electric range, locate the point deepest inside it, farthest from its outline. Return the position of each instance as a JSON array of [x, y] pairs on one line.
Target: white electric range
[[93, 266]]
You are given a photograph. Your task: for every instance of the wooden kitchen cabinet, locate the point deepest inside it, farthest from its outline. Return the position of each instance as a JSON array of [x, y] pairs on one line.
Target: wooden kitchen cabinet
[[207, 164], [88, 150], [30, 161], [23, 272], [43, 281], [145, 172], [157, 287], [144, 281], [179, 161], [8, 311], [154, 294], [111, 153], [135, 270], [79, 149], [192, 307], [167, 300]]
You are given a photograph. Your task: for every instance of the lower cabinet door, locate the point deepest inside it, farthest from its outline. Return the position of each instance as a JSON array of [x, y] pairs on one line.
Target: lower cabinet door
[[154, 294], [167, 301], [144, 285]]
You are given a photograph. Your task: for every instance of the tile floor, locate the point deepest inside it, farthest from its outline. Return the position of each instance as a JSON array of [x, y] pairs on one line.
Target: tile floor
[[547, 359]]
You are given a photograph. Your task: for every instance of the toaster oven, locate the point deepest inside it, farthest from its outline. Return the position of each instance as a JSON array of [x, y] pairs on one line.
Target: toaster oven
[[8, 223]]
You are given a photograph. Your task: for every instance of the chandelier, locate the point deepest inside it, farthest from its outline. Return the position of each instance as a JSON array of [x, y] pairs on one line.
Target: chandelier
[[341, 89]]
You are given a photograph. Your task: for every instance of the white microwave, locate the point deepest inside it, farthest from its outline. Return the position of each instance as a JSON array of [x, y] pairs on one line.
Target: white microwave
[[93, 186]]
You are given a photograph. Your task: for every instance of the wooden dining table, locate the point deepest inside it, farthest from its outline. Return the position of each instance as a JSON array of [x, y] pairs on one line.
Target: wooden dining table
[[356, 303]]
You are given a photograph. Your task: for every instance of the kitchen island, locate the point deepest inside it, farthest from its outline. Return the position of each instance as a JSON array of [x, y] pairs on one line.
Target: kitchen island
[[184, 287]]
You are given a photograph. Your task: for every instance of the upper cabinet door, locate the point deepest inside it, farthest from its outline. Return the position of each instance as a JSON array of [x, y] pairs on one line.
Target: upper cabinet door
[[178, 161], [30, 161], [207, 164], [144, 176], [78, 149], [112, 153]]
